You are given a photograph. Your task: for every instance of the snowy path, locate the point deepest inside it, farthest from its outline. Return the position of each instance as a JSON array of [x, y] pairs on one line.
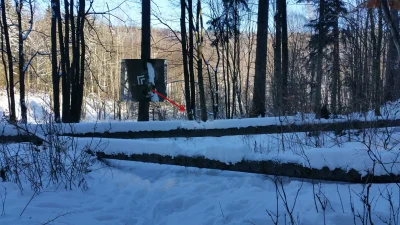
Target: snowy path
[[140, 193]]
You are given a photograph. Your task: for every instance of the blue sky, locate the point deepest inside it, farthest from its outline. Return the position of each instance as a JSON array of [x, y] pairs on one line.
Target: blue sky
[[167, 10]]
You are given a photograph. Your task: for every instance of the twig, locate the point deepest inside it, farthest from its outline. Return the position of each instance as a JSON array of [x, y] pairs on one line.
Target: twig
[[340, 197], [60, 215], [221, 210], [34, 195]]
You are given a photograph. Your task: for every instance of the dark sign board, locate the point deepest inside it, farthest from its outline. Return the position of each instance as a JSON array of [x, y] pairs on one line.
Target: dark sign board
[[138, 78]]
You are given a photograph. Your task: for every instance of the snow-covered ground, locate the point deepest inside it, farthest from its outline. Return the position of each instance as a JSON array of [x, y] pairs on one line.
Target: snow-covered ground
[[139, 193]]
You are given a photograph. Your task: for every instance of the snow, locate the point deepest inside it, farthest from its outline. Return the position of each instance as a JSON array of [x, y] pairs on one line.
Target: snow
[[142, 193], [119, 126], [139, 193], [233, 149]]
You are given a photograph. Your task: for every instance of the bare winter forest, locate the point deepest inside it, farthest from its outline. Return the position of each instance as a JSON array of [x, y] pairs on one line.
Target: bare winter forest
[[226, 59], [279, 112]]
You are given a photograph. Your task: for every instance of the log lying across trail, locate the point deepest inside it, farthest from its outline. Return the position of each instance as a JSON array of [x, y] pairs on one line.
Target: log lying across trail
[[267, 167], [20, 139], [251, 130]]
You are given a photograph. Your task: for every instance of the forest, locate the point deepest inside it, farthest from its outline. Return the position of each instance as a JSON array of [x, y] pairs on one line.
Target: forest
[[226, 58]]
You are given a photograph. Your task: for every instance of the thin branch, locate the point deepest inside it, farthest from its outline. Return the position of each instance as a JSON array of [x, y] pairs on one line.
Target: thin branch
[[169, 27], [58, 216], [32, 57], [26, 33]]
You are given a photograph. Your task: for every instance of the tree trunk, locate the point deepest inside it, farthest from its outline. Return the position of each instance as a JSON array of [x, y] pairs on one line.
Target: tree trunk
[[285, 58], [392, 26], [238, 70], [81, 72], [250, 46], [278, 60], [199, 28], [62, 50], [261, 60], [5, 67], [65, 62], [74, 42], [392, 65], [336, 65], [321, 35], [376, 55], [185, 60], [228, 69], [21, 62], [143, 114], [224, 72], [365, 74], [10, 62], [216, 106], [54, 61], [191, 64]]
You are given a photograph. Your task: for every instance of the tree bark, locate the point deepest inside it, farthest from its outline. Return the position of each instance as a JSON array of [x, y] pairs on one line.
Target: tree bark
[[392, 26], [216, 106], [191, 63], [5, 67], [81, 72], [376, 63], [65, 62], [21, 63], [336, 65], [250, 47], [278, 81], [392, 64], [185, 59], [285, 58], [54, 61], [199, 28], [261, 60], [10, 62], [318, 83], [143, 114]]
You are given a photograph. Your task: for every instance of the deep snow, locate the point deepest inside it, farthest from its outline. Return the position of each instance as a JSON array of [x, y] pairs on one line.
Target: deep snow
[[139, 193]]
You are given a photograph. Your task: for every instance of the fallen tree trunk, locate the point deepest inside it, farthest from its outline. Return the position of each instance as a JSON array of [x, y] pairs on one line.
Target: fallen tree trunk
[[267, 167], [4, 139], [251, 130]]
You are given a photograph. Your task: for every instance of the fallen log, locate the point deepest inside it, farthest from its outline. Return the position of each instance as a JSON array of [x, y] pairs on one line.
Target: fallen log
[[267, 167], [5, 139], [337, 127]]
